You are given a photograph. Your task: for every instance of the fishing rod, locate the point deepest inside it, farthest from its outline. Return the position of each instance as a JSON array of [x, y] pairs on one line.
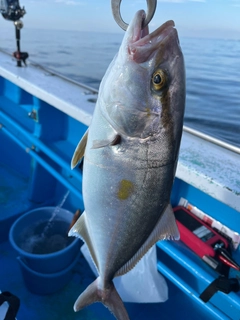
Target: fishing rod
[[11, 10]]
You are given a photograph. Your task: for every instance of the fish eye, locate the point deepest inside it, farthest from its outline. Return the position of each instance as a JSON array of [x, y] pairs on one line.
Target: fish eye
[[159, 79]]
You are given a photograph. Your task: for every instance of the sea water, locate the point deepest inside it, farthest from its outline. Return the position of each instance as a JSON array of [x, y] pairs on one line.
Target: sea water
[[38, 239], [212, 71]]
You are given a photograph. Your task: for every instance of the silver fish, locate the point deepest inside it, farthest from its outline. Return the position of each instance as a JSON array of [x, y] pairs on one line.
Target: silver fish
[[130, 156]]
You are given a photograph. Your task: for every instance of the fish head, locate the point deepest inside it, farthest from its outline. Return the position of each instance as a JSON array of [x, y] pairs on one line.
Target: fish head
[[143, 91]]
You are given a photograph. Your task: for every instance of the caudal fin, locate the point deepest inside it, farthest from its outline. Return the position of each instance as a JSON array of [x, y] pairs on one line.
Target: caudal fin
[[109, 297]]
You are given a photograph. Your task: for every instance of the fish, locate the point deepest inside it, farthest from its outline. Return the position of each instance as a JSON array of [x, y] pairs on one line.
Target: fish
[[130, 153]]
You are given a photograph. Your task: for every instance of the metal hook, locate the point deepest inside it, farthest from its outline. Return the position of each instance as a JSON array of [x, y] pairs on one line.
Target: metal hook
[[151, 8]]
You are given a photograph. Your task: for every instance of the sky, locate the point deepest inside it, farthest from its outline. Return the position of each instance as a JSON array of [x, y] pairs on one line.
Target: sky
[[197, 18]]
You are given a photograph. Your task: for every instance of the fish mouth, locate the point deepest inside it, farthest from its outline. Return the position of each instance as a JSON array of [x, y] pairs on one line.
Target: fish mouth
[[143, 44]]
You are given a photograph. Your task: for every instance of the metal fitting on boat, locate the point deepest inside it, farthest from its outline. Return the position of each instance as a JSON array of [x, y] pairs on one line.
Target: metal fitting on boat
[[18, 24], [33, 114]]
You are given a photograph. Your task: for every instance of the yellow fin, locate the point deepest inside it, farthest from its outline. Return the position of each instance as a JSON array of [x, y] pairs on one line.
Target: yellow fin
[[80, 150]]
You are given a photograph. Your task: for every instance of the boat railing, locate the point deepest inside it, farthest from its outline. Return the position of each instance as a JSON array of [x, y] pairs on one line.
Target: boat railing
[[211, 139]]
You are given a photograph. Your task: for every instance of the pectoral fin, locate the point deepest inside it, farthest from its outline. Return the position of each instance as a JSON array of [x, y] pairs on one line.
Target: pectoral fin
[[104, 143], [80, 150], [166, 228]]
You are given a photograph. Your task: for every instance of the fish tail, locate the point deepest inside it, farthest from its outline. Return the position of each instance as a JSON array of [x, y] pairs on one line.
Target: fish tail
[[108, 296]]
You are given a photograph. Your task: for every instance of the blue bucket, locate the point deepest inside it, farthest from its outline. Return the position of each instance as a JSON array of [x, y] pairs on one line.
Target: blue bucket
[[42, 283], [44, 262]]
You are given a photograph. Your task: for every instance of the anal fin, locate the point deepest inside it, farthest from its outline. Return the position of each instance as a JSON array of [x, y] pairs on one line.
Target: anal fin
[[80, 230], [166, 228]]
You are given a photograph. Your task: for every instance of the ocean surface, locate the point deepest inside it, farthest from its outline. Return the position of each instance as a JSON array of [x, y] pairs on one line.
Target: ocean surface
[[212, 71]]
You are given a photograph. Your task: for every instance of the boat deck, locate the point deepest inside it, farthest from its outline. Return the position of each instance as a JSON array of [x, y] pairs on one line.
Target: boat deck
[[60, 305]]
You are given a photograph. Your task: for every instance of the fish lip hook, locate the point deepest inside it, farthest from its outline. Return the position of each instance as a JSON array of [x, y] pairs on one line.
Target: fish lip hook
[[151, 8]]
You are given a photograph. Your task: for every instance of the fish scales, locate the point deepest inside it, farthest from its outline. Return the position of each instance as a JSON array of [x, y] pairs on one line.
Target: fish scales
[[130, 156]]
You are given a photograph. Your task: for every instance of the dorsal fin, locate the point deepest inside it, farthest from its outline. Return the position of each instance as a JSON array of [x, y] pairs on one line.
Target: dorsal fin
[[80, 150], [80, 230], [166, 228]]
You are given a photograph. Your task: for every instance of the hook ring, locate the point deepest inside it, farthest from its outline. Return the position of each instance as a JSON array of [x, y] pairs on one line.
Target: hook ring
[[151, 8]]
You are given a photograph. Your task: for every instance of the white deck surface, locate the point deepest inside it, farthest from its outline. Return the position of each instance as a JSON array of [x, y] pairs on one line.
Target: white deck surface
[[210, 168], [62, 94]]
